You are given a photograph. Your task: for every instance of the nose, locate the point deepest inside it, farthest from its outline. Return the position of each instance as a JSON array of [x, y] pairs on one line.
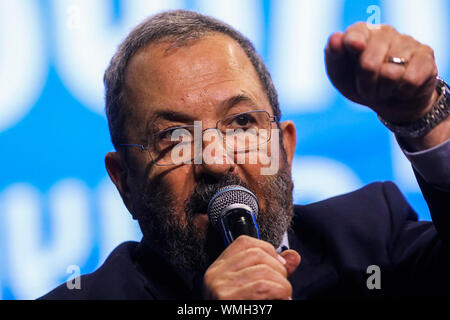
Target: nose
[[215, 160]]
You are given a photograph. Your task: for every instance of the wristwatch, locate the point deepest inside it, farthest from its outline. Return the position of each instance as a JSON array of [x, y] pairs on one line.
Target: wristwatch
[[420, 127]]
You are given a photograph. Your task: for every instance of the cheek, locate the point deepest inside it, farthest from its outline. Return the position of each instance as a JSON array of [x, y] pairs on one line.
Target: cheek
[[179, 183], [251, 174], [263, 184]]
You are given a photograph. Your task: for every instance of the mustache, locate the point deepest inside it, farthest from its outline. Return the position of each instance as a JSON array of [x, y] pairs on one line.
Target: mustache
[[205, 190]]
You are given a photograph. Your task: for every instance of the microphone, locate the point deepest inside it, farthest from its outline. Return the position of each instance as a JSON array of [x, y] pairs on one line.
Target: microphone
[[232, 211]]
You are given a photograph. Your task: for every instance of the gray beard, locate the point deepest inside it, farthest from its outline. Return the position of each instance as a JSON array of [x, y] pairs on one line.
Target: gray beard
[[182, 244]]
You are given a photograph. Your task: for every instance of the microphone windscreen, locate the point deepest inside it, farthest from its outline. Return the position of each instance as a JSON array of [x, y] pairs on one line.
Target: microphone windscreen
[[228, 196]]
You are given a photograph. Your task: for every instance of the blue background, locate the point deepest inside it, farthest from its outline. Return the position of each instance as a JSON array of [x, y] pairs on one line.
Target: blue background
[[58, 209]]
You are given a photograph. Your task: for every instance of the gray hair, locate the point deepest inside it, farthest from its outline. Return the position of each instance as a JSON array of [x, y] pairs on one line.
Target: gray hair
[[177, 27]]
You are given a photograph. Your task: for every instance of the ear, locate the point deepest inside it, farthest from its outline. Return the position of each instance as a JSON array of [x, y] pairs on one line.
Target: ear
[[289, 139], [119, 175]]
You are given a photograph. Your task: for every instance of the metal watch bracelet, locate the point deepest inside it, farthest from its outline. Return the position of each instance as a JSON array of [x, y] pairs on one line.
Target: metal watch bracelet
[[420, 127]]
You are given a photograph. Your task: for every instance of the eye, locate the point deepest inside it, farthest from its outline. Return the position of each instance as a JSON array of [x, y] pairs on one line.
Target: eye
[[165, 134], [243, 120], [170, 137]]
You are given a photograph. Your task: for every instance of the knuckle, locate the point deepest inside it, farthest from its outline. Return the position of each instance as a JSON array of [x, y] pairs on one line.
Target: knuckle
[[407, 38], [288, 288], [353, 26], [262, 287], [284, 272], [220, 294], [224, 296], [387, 28], [208, 277], [391, 73], [368, 64], [212, 275], [211, 291], [411, 79], [268, 247], [428, 50], [435, 72], [265, 270], [360, 25], [357, 27], [262, 270], [257, 254], [243, 241], [287, 291], [261, 247]]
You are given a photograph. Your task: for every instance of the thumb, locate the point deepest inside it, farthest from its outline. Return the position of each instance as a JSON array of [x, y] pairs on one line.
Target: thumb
[[292, 260]]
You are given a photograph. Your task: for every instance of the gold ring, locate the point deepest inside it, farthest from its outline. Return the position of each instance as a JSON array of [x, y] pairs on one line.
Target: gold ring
[[396, 60]]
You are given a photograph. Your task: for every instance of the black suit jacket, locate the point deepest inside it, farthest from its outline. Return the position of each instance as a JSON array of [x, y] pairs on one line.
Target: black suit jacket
[[338, 240]]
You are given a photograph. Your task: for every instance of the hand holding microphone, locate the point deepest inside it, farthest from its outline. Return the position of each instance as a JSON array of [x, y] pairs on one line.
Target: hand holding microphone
[[249, 268]]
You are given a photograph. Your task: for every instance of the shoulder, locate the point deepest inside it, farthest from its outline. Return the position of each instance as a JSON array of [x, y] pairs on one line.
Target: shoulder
[[115, 279], [366, 220], [378, 200]]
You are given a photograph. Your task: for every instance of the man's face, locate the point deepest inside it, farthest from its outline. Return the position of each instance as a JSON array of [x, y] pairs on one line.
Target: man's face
[[205, 80]]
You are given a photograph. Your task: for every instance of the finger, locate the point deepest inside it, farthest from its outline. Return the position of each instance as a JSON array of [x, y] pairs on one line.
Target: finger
[[245, 242], [420, 71], [292, 260], [261, 290], [252, 257], [390, 74], [259, 272], [371, 60], [356, 38], [335, 46], [339, 65]]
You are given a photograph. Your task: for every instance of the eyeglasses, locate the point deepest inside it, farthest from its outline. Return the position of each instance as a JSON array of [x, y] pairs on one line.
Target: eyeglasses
[[239, 133]]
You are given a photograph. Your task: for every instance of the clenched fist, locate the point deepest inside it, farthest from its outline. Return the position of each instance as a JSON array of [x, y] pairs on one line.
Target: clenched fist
[[250, 269], [358, 65]]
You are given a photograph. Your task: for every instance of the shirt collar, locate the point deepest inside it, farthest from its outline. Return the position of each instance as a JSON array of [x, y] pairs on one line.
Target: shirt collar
[[284, 243]]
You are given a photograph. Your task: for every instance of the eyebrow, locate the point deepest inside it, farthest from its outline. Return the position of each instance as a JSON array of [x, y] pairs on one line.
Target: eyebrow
[[175, 116], [240, 98], [179, 116]]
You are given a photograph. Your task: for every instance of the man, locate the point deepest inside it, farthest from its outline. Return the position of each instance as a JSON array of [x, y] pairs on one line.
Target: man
[[179, 67]]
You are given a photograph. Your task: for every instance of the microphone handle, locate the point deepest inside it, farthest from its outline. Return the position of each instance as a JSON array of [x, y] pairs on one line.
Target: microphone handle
[[237, 222]]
